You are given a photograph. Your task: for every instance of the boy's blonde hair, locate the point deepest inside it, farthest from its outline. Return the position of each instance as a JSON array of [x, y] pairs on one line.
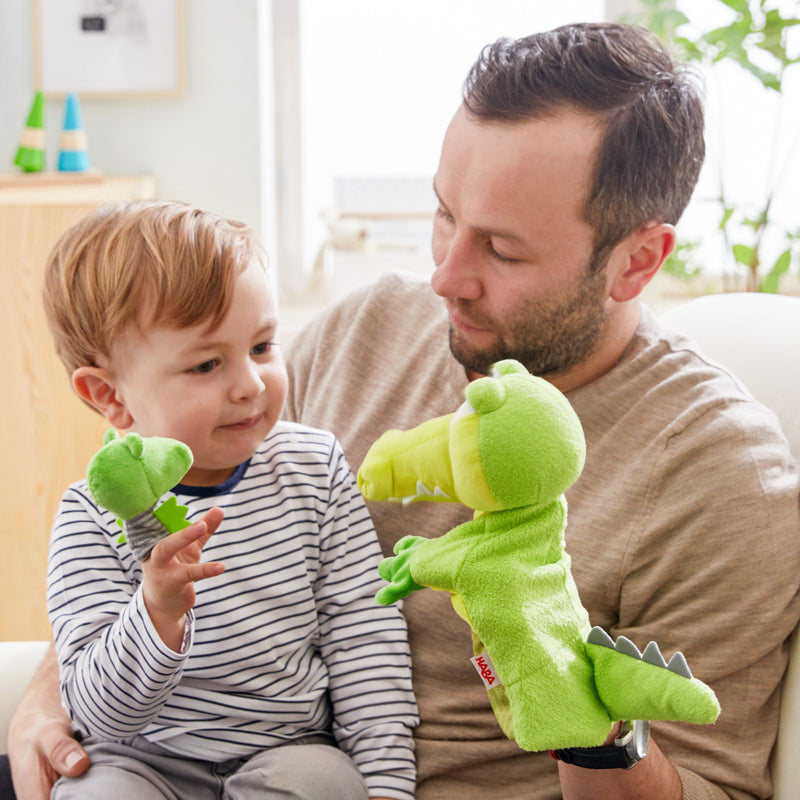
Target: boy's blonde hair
[[138, 264]]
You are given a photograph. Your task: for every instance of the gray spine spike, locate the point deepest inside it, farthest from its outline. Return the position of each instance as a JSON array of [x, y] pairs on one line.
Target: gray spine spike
[[626, 646], [678, 664], [600, 637], [652, 655]]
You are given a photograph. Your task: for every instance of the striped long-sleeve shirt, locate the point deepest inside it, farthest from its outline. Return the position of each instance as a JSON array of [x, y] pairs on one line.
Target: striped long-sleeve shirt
[[287, 641]]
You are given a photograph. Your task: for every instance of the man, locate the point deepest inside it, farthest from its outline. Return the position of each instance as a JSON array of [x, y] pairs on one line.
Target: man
[[561, 176]]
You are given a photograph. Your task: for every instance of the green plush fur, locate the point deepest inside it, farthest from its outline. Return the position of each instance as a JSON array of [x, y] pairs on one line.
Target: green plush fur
[[510, 452], [129, 475]]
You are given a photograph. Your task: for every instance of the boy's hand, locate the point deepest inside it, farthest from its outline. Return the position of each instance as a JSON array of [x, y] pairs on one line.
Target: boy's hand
[[169, 576]]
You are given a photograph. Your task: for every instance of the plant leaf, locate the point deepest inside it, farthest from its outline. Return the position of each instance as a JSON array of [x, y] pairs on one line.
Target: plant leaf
[[744, 254], [726, 216], [772, 279]]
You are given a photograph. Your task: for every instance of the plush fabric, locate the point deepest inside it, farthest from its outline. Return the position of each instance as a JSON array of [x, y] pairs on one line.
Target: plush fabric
[[128, 476], [510, 452]]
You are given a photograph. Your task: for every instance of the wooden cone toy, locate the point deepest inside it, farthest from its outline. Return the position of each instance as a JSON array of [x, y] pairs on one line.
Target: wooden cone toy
[[30, 154], [73, 155]]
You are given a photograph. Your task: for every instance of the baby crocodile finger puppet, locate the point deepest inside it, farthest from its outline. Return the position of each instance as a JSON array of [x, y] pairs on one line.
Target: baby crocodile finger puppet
[[510, 452], [128, 476]]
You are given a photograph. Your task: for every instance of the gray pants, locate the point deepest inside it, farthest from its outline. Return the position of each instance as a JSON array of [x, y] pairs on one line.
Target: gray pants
[[303, 770]]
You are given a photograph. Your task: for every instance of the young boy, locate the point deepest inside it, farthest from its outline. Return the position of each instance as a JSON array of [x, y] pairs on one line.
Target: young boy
[[279, 677]]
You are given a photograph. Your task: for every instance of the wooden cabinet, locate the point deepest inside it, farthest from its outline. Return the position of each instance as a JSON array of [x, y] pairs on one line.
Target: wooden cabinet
[[47, 434]]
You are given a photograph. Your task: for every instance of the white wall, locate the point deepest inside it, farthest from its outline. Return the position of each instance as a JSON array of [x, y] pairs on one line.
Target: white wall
[[381, 82], [211, 146]]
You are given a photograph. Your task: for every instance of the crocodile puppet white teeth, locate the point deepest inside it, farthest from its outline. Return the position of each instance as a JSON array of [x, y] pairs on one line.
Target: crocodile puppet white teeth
[[423, 492], [464, 410]]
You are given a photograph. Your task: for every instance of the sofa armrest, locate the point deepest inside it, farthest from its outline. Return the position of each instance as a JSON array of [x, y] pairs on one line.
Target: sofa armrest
[[785, 763], [18, 663]]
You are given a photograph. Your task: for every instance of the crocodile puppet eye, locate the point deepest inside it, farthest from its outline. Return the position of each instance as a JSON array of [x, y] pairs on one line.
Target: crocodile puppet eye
[[507, 367], [486, 394]]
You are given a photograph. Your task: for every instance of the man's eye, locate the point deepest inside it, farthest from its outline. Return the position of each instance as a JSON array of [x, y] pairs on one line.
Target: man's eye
[[261, 349], [499, 256], [205, 367]]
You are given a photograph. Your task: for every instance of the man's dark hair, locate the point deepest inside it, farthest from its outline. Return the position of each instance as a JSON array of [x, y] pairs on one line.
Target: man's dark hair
[[652, 148]]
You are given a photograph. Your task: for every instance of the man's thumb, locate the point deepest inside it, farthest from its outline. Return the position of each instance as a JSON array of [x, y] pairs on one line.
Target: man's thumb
[[67, 757]]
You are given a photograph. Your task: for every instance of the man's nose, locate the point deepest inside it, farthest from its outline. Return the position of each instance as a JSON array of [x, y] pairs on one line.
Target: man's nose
[[457, 272]]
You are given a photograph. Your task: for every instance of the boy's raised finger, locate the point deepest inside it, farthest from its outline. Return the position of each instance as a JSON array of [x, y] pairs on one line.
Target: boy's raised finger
[[171, 545], [209, 569], [212, 518]]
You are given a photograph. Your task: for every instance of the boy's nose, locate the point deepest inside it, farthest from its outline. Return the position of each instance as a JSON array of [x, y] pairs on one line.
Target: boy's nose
[[248, 383]]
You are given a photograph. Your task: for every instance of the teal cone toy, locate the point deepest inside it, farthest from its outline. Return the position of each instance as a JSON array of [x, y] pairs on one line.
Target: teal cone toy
[[73, 154]]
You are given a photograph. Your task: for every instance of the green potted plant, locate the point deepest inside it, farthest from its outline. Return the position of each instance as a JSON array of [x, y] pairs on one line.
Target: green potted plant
[[755, 40]]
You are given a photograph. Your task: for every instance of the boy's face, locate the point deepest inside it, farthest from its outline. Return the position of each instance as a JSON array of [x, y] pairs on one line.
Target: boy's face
[[219, 391]]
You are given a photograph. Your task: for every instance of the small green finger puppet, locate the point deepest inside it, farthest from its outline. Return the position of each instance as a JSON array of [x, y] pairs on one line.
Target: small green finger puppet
[[510, 452], [129, 475]]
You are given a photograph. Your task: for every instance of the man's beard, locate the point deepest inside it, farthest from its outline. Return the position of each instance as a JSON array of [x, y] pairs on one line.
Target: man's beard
[[548, 338]]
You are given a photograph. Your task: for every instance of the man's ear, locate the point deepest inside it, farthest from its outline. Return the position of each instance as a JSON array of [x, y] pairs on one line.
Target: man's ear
[[641, 255], [96, 386]]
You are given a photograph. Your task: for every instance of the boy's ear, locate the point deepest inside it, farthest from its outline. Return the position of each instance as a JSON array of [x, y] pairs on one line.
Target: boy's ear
[[96, 386], [642, 254]]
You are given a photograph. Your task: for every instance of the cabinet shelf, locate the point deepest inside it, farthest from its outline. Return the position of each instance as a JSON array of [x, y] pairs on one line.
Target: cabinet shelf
[[48, 434]]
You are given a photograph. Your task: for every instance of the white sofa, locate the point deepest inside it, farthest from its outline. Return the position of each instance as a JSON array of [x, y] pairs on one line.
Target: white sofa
[[18, 661], [758, 337]]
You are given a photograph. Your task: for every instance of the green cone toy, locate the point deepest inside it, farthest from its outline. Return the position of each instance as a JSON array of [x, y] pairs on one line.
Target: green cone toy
[[30, 154]]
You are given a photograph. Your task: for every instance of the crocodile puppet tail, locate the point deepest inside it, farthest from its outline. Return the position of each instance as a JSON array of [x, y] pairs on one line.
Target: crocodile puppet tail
[[634, 685]]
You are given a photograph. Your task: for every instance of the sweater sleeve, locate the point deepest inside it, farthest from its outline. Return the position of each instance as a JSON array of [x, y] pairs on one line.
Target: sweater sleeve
[[716, 574], [116, 673], [364, 645]]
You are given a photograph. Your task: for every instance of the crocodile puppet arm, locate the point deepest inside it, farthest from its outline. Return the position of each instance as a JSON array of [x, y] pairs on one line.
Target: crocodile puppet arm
[[510, 452], [127, 476], [397, 571]]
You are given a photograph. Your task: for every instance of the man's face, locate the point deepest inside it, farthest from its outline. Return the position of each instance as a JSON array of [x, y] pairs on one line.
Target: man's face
[[512, 251]]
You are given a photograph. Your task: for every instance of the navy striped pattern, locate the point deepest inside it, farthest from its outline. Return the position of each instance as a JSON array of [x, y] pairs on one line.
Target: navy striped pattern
[[287, 641]]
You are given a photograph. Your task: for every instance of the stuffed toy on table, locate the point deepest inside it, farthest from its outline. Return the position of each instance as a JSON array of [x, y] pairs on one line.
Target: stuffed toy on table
[[510, 452], [129, 475]]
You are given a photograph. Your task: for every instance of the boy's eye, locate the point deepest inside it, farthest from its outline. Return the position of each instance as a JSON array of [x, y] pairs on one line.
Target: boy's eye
[[261, 349], [205, 367]]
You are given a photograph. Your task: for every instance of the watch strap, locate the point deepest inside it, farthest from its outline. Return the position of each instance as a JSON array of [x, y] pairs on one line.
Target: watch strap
[[606, 757]]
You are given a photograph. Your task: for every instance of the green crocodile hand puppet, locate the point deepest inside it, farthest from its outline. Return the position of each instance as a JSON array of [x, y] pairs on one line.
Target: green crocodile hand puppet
[[128, 476], [510, 452]]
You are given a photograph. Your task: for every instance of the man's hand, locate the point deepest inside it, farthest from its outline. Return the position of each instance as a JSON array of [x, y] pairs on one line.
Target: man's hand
[[653, 778], [169, 576], [40, 742]]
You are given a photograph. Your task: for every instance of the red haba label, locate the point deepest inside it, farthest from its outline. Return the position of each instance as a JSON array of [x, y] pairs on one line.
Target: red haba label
[[484, 667]]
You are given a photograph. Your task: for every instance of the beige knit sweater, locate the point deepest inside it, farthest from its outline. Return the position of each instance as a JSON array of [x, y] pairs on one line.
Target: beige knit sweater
[[684, 528]]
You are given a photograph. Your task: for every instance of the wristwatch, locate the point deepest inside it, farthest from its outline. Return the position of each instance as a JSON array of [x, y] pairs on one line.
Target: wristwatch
[[629, 748]]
